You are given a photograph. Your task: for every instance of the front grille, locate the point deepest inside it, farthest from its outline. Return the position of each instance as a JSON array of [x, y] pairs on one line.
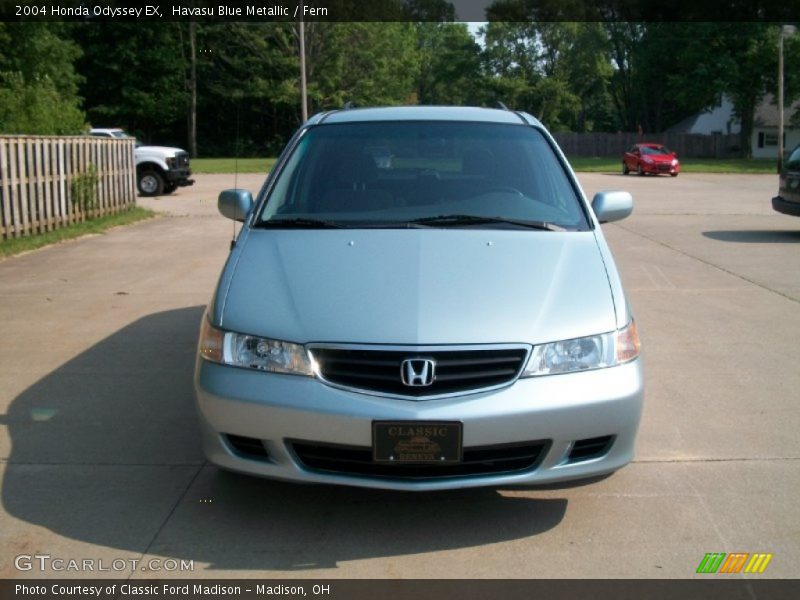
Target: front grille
[[378, 370], [181, 160], [478, 460], [590, 448]]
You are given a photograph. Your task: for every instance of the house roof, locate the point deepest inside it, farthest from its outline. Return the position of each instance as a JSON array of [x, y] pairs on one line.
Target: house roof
[[684, 126], [766, 116], [767, 112]]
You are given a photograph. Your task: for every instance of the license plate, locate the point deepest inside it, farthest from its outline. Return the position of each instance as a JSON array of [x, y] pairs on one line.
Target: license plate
[[416, 441]]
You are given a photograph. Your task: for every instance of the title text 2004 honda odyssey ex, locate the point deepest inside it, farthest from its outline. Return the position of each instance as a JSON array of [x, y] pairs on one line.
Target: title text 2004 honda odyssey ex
[[446, 314]]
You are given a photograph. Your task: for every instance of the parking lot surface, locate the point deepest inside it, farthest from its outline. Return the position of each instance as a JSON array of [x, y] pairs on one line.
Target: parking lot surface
[[100, 455]]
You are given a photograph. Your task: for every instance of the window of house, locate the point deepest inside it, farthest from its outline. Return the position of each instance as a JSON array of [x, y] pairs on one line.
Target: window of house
[[768, 138]]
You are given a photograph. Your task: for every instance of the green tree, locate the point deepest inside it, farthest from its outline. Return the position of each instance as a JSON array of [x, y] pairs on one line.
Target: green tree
[[450, 65], [248, 87], [510, 60], [364, 63], [38, 84], [135, 77], [559, 72], [749, 64]]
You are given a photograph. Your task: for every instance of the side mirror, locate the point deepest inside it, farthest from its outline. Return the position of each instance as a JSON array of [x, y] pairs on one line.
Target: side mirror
[[612, 206], [235, 204]]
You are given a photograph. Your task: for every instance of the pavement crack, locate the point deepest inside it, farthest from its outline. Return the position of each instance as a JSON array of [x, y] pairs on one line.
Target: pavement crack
[[708, 263], [166, 519]]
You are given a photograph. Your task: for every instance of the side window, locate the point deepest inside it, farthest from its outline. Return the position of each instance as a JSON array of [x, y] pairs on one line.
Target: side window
[[793, 162]]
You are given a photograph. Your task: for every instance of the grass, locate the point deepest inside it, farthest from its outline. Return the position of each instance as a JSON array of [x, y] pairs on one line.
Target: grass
[[688, 165], [229, 165], [14, 246], [579, 163]]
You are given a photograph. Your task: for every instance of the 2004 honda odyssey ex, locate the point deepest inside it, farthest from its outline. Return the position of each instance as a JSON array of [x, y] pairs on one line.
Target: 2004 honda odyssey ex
[[449, 316]]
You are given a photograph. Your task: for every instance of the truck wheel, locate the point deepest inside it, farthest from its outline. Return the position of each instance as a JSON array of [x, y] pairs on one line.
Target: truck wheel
[[170, 187], [150, 183]]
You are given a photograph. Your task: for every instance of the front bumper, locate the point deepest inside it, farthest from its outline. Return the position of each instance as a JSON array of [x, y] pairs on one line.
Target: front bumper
[[786, 207], [179, 177], [555, 410], [661, 169]]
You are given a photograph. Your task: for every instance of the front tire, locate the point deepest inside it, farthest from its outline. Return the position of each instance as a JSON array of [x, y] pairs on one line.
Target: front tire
[[625, 169], [150, 183], [639, 171], [170, 187], [673, 174]]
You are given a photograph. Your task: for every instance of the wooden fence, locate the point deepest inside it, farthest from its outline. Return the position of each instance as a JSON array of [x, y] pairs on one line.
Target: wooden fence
[[49, 182], [687, 145]]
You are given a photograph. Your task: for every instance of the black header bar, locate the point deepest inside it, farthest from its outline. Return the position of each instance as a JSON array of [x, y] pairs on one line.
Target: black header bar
[[777, 11]]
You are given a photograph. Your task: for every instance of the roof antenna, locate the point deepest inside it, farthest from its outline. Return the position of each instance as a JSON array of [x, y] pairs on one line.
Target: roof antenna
[[236, 168], [501, 105]]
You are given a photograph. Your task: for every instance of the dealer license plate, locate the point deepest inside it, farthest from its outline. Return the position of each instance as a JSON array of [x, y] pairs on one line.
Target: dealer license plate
[[416, 441]]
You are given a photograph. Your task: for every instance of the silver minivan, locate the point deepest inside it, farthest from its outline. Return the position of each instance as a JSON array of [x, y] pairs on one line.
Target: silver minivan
[[448, 318]]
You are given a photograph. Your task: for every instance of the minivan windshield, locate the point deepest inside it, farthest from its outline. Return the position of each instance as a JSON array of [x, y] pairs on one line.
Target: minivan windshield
[[423, 174]]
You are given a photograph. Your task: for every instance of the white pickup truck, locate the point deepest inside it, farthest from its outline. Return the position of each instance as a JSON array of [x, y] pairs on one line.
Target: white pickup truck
[[159, 169]]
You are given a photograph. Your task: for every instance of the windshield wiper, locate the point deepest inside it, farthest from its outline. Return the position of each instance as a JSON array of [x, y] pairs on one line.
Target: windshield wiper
[[459, 220], [298, 223]]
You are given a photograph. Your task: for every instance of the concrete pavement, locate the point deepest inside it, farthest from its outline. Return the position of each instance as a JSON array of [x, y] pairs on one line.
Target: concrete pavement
[[99, 453]]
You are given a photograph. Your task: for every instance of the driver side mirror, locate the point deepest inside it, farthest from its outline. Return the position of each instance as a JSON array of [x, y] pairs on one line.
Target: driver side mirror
[[612, 206], [235, 204]]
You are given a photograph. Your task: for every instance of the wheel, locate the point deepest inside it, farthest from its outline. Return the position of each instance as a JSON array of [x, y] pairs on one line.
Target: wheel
[[170, 187], [625, 169], [639, 170], [150, 183], [673, 174]]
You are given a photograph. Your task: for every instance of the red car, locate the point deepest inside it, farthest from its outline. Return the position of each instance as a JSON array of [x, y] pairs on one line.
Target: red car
[[650, 158]]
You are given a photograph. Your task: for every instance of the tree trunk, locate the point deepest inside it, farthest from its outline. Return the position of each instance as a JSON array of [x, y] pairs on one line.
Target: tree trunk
[[746, 117]]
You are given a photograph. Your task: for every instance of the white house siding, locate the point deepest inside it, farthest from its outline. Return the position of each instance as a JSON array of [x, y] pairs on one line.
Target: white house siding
[[792, 140], [720, 119]]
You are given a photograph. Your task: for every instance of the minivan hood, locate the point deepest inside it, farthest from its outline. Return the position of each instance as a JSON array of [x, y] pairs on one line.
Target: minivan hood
[[428, 286]]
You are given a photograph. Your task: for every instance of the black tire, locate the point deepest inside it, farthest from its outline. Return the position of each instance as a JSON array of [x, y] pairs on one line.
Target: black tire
[[170, 187], [150, 183], [639, 171], [625, 169], [673, 174]]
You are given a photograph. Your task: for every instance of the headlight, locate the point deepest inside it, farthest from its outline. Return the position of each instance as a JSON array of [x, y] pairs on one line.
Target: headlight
[[582, 354], [252, 352], [674, 162], [170, 161]]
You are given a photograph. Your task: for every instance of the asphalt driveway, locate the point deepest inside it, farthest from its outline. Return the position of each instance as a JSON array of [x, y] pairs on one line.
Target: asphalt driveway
[[99, 452]]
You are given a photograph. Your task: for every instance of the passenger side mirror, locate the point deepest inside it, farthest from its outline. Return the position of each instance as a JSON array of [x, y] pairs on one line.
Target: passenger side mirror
[[612, 206], [235, 204]]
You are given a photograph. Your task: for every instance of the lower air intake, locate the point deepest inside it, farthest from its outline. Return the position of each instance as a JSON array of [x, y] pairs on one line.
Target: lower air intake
[[478, 460]]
